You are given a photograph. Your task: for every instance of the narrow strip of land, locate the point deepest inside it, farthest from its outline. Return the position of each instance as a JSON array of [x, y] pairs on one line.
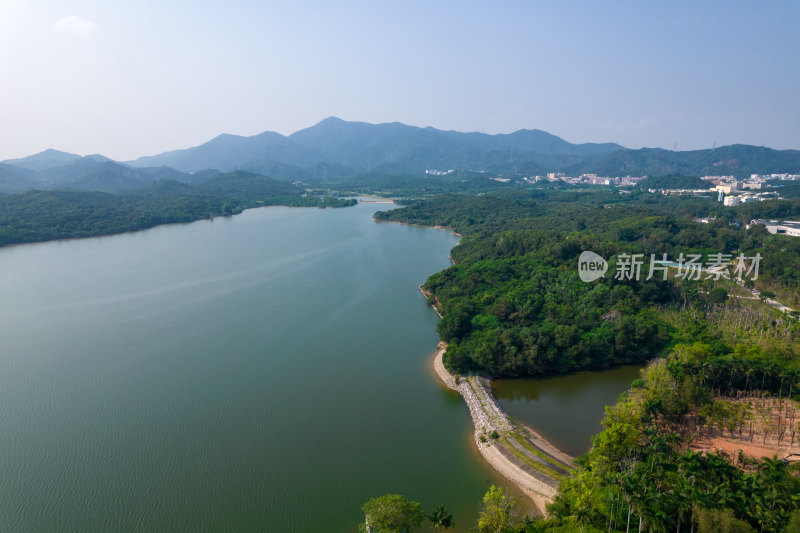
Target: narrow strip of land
[[518, 453]]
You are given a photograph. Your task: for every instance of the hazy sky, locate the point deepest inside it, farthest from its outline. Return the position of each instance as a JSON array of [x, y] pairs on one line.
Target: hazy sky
[[138, 78]]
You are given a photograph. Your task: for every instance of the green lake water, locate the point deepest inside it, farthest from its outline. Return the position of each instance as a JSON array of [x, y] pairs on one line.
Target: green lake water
[[265, 372], [567, 410]]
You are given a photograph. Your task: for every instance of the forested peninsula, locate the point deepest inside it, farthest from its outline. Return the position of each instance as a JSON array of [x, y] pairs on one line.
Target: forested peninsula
[[43, 215], [698, 442]]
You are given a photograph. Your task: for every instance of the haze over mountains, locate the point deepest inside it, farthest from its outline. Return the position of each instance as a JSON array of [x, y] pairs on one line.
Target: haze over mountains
[[337, 150]]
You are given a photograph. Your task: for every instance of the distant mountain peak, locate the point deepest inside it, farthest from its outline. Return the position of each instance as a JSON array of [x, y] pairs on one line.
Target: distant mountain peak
[[336, 149], [327, 124], [226, 136], [99, 158], [53, 152], [49, 158], [50, 152]]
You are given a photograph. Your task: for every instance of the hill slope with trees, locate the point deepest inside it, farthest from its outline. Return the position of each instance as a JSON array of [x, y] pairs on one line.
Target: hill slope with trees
[[722, 365], [46, 215]]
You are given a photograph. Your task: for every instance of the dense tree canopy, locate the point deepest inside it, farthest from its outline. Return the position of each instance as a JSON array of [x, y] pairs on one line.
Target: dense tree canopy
[[723, 361], [393, 513], [46, 215], [514, 304]]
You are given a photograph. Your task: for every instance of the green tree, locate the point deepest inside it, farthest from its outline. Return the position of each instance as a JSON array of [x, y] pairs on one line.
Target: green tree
[[393, 513], [441, 518], [497, 511], [718, 295], [794, 522], [767, 294], [719, 521]]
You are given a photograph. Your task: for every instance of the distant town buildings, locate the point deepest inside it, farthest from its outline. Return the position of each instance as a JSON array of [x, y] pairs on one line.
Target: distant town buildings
[[784, 177], [788, 227], [731, 201], [594, 179], [728, 189], [586, 179], [682, 192], [434, 172], [732, 192]]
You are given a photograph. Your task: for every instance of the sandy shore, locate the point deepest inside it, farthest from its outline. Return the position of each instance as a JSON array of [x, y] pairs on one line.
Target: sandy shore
[[488, 417], [420, 226]]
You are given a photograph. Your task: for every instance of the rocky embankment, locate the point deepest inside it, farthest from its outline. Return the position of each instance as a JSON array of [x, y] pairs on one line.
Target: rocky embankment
[[517, 452]]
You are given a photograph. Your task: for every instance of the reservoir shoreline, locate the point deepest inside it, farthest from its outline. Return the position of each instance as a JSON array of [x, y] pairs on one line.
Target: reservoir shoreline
[[193, 377], [413, 225], [517, 452]]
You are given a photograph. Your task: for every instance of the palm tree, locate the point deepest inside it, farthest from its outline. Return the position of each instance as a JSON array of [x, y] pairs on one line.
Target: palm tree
[[441, 518], [683, 498], [673, 440], [772, 469]]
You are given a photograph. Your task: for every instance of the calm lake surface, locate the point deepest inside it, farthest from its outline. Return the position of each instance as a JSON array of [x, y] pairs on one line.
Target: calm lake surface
[[268, 372], [567, 410], [263, 372]]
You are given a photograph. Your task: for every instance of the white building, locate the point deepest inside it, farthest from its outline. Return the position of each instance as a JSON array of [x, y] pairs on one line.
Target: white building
[[728, 188], [787, 227], [731, 201]]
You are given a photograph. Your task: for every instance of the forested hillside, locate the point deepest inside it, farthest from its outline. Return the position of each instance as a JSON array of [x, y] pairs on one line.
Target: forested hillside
[[46, 215], [514, 305], [724, 365]]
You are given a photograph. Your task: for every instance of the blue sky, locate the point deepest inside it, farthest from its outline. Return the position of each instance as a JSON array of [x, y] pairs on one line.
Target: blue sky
[[138, 78]]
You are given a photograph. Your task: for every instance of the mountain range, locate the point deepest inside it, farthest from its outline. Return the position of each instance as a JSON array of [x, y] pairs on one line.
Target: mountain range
[[337, 150]]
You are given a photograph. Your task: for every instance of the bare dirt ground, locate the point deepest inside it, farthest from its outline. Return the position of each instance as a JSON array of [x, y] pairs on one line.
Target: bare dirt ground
[[769, 427]]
